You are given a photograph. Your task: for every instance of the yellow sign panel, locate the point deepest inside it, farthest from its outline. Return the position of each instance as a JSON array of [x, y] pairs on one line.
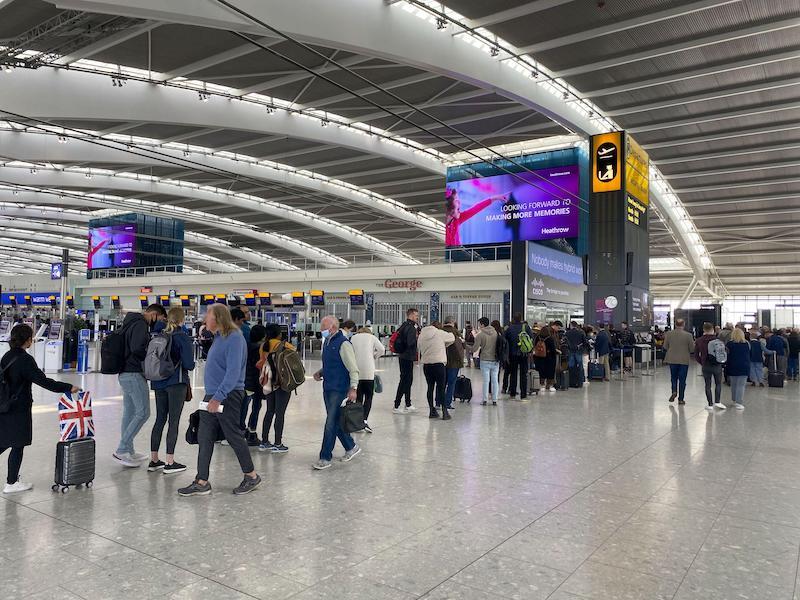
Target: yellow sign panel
[[606, 162], [637, 171]]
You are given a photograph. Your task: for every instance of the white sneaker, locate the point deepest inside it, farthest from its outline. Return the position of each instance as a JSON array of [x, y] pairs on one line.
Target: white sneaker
[[585, 383], [225, 443], [126, 461], [552, 390], [399, 411], [138, 456], [720, 406], [19, 486], [740, 407], [709, 407], [411, 409]]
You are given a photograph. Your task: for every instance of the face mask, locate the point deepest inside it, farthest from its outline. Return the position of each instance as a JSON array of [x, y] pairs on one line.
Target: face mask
[[325, 334], [348, 334]]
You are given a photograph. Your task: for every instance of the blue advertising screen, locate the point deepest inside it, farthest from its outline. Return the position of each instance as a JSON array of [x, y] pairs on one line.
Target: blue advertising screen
[[554, 276], [538, 205]]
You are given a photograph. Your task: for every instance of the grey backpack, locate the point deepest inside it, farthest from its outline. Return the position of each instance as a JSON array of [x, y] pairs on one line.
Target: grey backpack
[[158, 364]]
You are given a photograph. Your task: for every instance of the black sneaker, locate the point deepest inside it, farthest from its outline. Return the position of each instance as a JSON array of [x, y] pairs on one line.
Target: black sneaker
[[446, 417], [252, 439], [681, 402], [367, 428], [248, 485], [279, 449], [434, 414], [155, 465], [175, 467], [195, 489]]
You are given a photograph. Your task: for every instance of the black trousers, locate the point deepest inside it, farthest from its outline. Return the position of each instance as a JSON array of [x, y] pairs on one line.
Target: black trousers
[[277, 402], [256, 400], [14, 463], [228, 421], [518, 371], [436, 377], [169, 406], [364, 394], [406, 379]]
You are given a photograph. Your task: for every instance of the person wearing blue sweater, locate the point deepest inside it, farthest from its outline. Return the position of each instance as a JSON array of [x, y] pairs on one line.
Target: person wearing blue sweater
[[224, 395], [171, 393], [738, 366]]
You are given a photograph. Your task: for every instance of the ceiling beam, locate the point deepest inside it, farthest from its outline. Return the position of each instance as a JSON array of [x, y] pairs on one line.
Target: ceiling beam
[[107, 42], [716, 116], [729, 170], [744, 214], [714, 94], [715, 137], [736, 185], [729, 200], [624, 24], [215, 59], [327, 67], [745, 151], [684, 74], [512, 14], [687, 44], [747, 227]]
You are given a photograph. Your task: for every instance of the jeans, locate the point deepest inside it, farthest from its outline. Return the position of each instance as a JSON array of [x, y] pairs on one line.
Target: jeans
[[14, 463], [713, 372], [135, 409], [364, 394], [678, 374], [256, 399], [169, 405], [518, 368], [406, 379], [435, 376], [333, 428], [277, 403], [794, 366], [228, 421], [452, 376], [576, 360], [490, 370], [757, 373], [738, 383]]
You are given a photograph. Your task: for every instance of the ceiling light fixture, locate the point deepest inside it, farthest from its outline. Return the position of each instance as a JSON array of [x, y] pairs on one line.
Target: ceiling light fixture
[[62, 139], [494, 51], [204, 96], [441, 23]]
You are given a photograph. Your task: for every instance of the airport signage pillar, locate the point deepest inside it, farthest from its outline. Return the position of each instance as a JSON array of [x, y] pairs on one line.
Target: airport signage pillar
[[64, 280], [618, 277]]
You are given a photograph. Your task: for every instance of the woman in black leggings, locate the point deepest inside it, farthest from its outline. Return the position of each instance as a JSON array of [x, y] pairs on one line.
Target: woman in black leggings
[[16, 421], [277, 399]]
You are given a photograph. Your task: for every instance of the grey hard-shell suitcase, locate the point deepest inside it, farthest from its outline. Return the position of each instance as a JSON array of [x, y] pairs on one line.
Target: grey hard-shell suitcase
[[75, 464]]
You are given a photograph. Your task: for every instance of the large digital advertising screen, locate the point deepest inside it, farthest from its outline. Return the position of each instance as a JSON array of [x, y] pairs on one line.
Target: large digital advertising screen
[[111, 247], [554, 276], [537, 205]]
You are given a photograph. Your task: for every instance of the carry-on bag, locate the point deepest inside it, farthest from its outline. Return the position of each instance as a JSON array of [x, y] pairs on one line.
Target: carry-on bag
[[463, 389], [562, 380], [597, 371], [75, 464], [774, 377], [352, 417], [575, 377]]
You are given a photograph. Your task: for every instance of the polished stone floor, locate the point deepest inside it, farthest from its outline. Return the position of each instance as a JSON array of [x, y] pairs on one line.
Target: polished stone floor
[[607, 492]]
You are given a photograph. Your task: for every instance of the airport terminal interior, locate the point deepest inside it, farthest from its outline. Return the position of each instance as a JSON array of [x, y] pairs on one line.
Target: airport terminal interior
[[397, 299]]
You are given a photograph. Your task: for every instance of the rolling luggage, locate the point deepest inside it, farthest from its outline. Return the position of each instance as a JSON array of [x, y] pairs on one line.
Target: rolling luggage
[[463, 389], [562, 380], [774, 377], [75, 462], [575, 377], [597, 372], [533, 381]]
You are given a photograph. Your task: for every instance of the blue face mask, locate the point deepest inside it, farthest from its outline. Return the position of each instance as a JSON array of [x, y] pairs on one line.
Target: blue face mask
[[325, 334], [347, 334]]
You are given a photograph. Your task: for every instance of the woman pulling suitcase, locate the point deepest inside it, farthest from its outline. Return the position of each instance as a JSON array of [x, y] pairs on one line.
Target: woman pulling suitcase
[[16, 424]]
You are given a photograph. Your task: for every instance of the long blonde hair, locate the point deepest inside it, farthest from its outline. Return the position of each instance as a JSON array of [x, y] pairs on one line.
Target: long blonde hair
[[737, 335], [222, 316], [175, 318]]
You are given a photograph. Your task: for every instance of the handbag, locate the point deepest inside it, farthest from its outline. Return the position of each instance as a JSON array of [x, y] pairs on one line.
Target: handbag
[[352, 417], [378, 384], [189, 394]]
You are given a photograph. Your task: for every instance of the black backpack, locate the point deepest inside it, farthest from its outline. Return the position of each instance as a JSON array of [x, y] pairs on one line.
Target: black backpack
[[113, 353], [501, 349], [6, 399]]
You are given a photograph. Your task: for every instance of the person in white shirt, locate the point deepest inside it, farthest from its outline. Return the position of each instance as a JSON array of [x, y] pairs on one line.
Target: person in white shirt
[[432, 346], [367, 348]]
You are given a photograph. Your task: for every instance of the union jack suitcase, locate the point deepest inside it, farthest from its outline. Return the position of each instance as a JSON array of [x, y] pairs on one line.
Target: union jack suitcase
[[75, 462]]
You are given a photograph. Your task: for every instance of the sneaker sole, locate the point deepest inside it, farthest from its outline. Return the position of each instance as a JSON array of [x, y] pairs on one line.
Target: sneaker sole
[[171, 471], [351, 457], [247, 491], [206, 493], [154, 469], [316, 468], [280, 451]]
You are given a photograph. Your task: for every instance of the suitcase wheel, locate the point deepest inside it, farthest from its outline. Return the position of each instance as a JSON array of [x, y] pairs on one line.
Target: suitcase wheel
[[54, 487], [89, 484], [65, 489]]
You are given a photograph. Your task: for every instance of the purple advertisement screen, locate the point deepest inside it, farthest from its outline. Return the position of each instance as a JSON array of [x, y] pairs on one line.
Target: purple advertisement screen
[[111, 247], [506, 208]]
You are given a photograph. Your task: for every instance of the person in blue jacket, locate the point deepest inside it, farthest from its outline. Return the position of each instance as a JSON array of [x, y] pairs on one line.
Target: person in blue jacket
[[776, 344], [757, 353], [738, 366], [171, 393], [602, 345]]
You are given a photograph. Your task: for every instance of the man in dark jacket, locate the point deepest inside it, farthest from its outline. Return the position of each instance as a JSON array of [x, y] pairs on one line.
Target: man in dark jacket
[[710, 367], [775, 342], [576, 343], [517, 359], [407, 341], [135, 391], [794, 355], [602, 345]]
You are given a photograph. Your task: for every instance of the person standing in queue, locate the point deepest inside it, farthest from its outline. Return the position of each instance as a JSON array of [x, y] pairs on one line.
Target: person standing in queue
[[486, 349], [16, 426], [432, 343], [339, 376], [469, 344], [277, 399], [251, 382], [602, 346], [406, 346], [545, 352], [455, 360], [224, 394], [171, 394], [738, 366], [679, 345], [367, 348], [518, 350]]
